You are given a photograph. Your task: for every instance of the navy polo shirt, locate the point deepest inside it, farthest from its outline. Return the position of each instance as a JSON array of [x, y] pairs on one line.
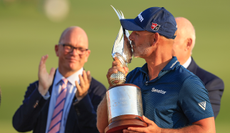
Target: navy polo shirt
[[176, 98]]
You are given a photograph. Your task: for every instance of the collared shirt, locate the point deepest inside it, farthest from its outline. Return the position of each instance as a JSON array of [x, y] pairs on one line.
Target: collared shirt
[[70, 95], [187, 63], [174, 99]]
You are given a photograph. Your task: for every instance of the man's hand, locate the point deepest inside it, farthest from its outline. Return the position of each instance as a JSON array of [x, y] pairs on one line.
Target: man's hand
[[151, 128], [116, 66], [83, 87], [45, 80], [206, 125]]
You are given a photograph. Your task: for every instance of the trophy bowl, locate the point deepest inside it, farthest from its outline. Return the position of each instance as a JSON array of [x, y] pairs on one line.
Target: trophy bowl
[[124, 104]]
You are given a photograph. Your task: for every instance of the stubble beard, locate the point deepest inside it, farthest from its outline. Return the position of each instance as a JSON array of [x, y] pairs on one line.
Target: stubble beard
[[141, 52]]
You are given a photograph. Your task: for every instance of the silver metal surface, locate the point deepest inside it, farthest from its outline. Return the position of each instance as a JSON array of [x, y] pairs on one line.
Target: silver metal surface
[[122, 44], [124, 100], [117, 78], [122, 50]]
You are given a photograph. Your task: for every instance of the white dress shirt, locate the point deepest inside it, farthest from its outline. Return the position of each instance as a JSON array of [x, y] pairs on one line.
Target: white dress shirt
[[187, 63]]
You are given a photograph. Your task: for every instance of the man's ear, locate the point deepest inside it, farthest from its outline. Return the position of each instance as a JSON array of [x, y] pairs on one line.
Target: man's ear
[[155, 38], [56, 47], [87, 55], [189, 44]]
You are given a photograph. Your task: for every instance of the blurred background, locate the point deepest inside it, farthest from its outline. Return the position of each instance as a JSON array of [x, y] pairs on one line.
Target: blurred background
[[29, 29]]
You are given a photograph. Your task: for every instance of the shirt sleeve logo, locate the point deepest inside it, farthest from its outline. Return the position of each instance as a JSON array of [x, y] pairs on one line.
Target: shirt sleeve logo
[[202, 105]]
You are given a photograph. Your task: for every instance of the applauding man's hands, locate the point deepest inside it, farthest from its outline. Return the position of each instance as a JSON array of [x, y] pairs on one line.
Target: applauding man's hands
[[45, 79]]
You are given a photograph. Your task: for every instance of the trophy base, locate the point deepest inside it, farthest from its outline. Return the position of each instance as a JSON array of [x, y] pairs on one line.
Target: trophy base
[[123, 122]]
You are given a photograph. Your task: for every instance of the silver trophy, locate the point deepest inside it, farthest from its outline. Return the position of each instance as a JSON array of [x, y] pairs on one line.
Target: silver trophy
[[124, 101]]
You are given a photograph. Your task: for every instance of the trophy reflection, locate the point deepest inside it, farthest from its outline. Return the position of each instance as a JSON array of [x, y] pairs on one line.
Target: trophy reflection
[[124, 100]]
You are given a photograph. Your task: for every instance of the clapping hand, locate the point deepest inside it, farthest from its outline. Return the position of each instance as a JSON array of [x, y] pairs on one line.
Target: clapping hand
[[83, 87], [45, 79]]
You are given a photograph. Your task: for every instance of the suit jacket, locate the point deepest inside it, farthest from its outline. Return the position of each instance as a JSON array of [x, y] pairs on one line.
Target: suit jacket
[[33, 113], [213, 84]]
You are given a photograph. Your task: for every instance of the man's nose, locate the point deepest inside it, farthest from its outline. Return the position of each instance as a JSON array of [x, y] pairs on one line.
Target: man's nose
[[131, 36]]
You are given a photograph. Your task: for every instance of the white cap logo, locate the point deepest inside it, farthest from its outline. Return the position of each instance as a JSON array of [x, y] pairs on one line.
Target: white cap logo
[[140, 17]]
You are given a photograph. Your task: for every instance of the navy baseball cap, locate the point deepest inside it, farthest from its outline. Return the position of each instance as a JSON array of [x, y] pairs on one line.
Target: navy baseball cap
[[153, 19]]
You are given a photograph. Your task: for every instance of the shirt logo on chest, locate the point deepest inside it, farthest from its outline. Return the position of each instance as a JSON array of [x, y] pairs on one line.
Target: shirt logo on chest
[[158, 91]]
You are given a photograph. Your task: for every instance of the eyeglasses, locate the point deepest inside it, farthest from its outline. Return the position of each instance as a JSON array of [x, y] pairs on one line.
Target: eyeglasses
[[69, 48]]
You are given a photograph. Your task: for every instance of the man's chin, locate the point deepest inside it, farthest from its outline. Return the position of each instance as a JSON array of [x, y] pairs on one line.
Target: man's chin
[[74, 67]]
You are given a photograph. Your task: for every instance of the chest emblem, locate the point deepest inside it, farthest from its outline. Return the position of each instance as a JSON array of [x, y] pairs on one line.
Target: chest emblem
[[158, 91]]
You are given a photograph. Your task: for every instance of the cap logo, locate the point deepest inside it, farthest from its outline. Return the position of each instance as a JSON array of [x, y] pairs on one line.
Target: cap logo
[[140, 17], [155, 26]]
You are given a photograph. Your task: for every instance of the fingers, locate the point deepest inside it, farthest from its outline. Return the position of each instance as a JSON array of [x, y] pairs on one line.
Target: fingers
[[135, 130], [45, 79], [145, 119], [52, 71], [141, 129], [85, 80], [117, 61], [77, 86], [117, 66], [126, 70], [42, 65], [82, 78], [111, 71], [78, 89], [151, 128], [43, 60], [88, 76]]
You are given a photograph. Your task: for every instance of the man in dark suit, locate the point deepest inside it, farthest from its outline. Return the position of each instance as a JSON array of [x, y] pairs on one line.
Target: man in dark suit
[[182, 48], [81, 93]]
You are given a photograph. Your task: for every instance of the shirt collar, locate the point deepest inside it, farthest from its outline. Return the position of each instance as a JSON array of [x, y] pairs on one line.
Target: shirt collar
[[71, 78], [187, 63], [170, 66]]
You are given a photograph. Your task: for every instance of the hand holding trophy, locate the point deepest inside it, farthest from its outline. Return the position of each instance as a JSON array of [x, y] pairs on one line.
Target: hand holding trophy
[[124, 100]]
